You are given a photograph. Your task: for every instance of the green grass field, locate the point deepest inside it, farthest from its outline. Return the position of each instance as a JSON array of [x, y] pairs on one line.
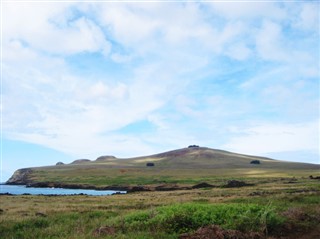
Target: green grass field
[[271, 208], [282, 201]]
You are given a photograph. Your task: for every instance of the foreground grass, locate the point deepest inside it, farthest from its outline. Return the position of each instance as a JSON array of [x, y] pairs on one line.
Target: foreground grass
[[267, 208], [180, 218]]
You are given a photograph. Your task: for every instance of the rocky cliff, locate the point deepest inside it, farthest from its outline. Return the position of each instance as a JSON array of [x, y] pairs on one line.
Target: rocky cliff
[[20, 177]]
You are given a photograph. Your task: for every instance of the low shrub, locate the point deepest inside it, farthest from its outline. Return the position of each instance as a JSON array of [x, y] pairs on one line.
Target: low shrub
[[187, 217], [35, 223]]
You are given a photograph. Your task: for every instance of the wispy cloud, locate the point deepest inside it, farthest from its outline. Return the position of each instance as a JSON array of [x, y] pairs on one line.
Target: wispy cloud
[[137, 78], [270, 138]]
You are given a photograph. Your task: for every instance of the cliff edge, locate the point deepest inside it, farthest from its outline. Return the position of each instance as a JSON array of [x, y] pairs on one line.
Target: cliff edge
[[20, 177]]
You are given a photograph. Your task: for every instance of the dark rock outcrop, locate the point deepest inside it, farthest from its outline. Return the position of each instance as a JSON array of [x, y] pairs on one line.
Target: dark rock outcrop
[[202, 185], [236, 184], [59, 163], [170, 187], [20, 177], [138, 189], [126, 188]]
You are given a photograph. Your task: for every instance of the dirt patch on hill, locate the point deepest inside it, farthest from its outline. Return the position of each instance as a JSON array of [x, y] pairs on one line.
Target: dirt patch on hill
[[104, 231], [216, 232]]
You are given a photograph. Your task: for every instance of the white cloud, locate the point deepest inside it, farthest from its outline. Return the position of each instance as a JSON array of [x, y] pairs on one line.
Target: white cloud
[[100, 92], [77, 115], [160, 28], [82, 35], [121, 58], [239, 52], [270, 43], [271, 138], [219, 40], [99, 89], [186, 106], [125, 25], [309, 17], [169, 64], [36, 27], [235, 10]]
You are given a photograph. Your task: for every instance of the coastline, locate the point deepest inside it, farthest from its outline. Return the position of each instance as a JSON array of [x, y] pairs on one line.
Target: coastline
[[134, 188], [23, 190], [127, 188]]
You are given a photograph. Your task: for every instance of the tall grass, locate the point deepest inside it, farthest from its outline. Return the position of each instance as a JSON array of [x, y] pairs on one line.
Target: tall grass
[[181, 218], [62, 225]]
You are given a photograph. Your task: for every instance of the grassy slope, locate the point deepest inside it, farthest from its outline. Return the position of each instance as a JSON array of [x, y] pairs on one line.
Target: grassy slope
[[183, 166], [79, 216]]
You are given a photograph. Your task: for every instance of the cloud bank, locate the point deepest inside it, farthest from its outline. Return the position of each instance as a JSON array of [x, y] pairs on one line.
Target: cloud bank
[[136, 78]]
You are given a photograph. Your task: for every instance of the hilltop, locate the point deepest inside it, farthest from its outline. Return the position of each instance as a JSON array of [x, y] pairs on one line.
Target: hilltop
[[186, 166]]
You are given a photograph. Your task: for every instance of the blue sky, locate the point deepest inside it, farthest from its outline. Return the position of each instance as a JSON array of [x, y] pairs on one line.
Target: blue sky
[[80, 80]]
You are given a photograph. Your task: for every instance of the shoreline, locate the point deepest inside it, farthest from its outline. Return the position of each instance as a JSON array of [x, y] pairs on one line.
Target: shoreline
[[27, 190], [58, 195], [127, 188], [133, 188]]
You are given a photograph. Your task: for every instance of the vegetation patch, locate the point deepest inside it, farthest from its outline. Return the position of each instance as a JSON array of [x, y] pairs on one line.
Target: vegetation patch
[[180, 218], [271, 208], [216, 232]]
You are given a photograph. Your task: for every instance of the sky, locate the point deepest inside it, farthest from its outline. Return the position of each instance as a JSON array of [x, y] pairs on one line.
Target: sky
[[85, 79]]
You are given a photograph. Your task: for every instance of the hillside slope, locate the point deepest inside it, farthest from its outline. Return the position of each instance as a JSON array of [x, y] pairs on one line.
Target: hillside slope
[[184, 166]]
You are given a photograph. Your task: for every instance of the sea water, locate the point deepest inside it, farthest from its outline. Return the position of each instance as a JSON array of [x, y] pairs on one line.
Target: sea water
[[21, 189]]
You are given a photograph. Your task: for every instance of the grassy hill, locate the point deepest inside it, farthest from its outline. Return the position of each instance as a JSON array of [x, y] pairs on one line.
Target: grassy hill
[[185, 166], [277, 198]]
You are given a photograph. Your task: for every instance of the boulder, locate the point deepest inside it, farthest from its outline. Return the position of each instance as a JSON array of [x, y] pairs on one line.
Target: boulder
[[236, 184], [311, 177], [202, 185]]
